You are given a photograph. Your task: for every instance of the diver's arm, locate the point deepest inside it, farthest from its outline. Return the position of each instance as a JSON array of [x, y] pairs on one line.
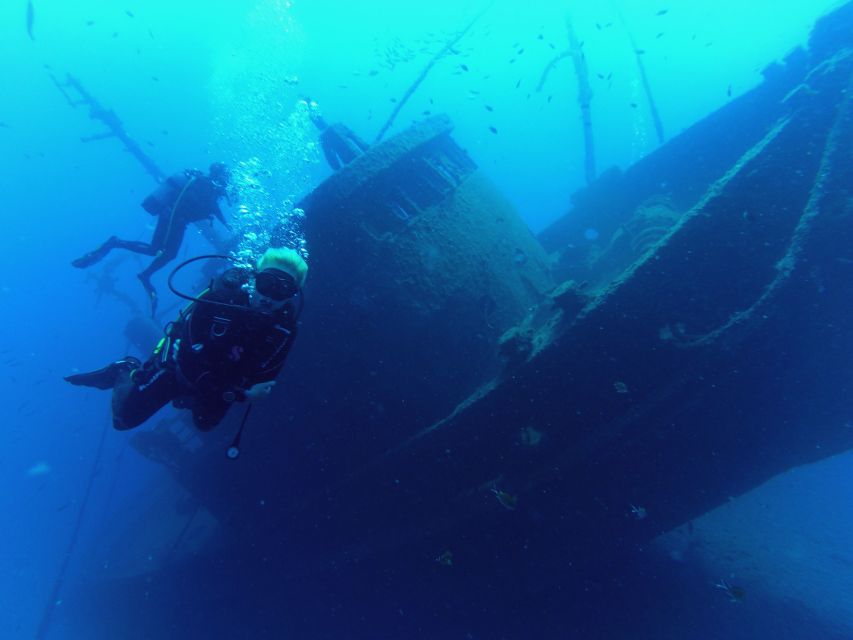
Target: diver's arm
[[262, 384], [217, 213], [259, 390]]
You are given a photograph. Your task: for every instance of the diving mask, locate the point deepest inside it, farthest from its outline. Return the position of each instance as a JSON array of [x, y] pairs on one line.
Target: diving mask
[[276, 284]]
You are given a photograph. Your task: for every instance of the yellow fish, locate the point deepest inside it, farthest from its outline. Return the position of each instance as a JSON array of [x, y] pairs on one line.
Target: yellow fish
[[507, 500], [445, 559]]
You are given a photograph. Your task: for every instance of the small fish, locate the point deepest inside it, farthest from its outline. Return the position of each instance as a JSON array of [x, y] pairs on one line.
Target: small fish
[[30, 19], [638, 512], [90, 23], [598, 26], [445, 559], [518, 84], [550, 98], [662, 12], [633, 105], [528, 436], [393, 99], [489, 108], [640, 52], [520, 52], [734, 593], [600, 76], [507, 500], [38, 469], [464, 67], [129, 14], [512, 61], [659, 36], [540, 37], [427, 112], [493, 130], [3, 125], [729, 91], [155, 78], [373, 72]]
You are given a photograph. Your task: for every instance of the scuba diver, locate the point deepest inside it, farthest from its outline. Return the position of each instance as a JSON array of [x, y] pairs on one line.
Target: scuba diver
[[340, 144], [183, 198], [227, 346]]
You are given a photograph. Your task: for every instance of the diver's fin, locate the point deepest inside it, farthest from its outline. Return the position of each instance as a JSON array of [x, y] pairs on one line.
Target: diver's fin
[[150, 290], [104, 378], [93, 257]]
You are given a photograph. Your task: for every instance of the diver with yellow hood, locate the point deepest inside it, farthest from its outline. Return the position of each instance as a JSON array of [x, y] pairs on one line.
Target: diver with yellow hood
[[227, 346]]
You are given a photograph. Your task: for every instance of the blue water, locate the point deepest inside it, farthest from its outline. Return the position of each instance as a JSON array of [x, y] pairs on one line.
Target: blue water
[[196, 82]]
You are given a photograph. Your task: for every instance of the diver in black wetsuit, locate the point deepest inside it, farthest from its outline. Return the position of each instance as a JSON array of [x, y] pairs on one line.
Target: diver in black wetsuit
[[228, 345], [340, 144], [183, 198]]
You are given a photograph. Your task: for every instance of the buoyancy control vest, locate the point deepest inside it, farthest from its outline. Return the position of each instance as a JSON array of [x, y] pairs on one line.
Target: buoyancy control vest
[[224, 347]]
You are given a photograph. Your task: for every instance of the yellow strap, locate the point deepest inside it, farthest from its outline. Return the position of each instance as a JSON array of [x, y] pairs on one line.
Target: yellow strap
[[175, 208]]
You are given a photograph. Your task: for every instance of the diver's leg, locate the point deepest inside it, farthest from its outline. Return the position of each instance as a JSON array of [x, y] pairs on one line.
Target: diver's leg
[[332, 159], [164, 225], [327, 144], [347, 152], [152, 248], [166, 253], [136, 246], [164, 256], [107, 377], [136, 401], [93, 257], [208, 411], [96, 255], [163, 228]]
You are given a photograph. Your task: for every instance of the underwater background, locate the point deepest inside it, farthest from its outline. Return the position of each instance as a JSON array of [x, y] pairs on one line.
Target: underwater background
[[197, 82]]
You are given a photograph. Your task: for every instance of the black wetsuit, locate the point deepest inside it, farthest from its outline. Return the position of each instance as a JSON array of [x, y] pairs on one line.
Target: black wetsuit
[[208, 359], [183, 198], [340, 144]]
